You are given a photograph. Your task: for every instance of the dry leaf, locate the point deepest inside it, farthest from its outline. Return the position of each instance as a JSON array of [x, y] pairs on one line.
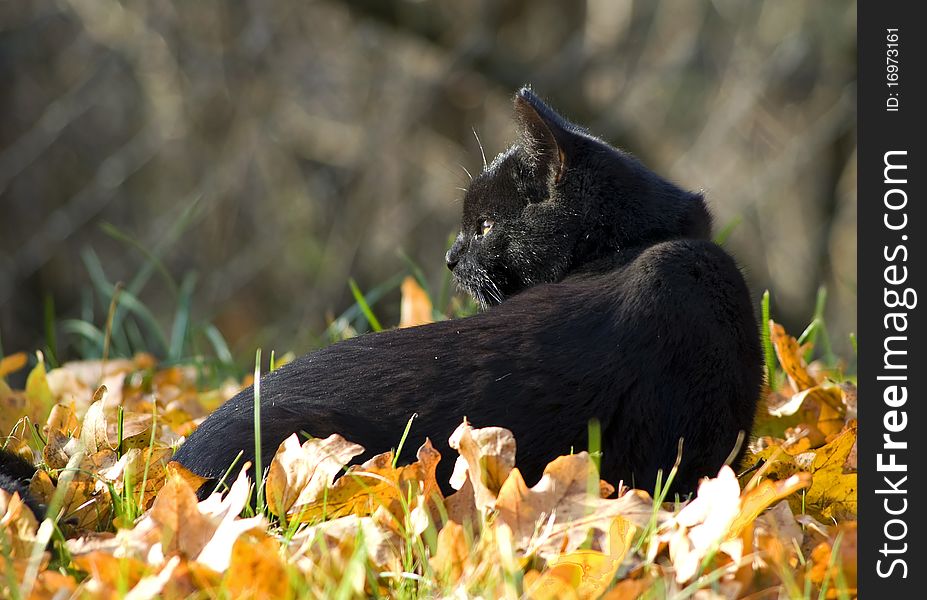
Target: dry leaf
[[764, 495], [590, 572], [256, 569], [450, 558], [833, 493], [844, 564], [415, 308], [62, 420], [487, 455], [564, 508], [93, 428], [790, 357], [17, 524], [144, 470], [12, 363], [375, 483], [300, 474], [37, 391], [109, 573]]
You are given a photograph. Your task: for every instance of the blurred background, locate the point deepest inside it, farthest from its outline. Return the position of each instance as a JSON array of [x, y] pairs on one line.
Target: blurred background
[[236, 163]]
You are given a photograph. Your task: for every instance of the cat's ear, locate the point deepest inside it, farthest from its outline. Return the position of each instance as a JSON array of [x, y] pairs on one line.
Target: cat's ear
[[543, 135]]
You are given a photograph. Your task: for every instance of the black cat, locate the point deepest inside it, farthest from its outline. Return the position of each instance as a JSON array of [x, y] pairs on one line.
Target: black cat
[[15, 475], [604, 300]]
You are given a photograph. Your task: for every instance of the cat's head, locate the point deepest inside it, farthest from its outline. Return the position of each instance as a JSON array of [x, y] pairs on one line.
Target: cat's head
[[560, 201]]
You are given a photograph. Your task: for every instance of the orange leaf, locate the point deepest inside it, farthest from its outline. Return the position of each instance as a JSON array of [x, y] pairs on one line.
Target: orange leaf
[[114, 573], [415, 308], [175, 469], [450, 559], [790, 357], [300, 474], [767, 493], [362, 489], [12, 363], [256, 569]]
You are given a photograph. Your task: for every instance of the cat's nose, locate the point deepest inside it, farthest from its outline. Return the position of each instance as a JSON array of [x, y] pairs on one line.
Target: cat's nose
[[451, 259]]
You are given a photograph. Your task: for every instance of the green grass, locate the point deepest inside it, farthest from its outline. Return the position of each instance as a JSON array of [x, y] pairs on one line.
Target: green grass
[[768, 351]]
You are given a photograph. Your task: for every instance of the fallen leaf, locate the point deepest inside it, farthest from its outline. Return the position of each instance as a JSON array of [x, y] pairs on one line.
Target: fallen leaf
[[256, 569], [790, 357], [558, 514], [18, 526], [842, 568], [415, 308], [93, 428], [12, 363], [764, 495], [61, 419], [143, 470], [487, 456], [833, 493], [452, 553], [375, 483], [37, 391], [300, 474], [108, 573]]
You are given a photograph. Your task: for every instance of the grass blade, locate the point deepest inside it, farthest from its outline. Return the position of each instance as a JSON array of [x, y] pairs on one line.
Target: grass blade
[[219, 345], [726, 231], [85, 331], [152, 259], [402, 440], [181, 327], [364, 306], [51, 341], [768, 351], [258, 467]]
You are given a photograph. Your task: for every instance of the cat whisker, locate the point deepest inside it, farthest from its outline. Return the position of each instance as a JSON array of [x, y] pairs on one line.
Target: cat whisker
[[467, 172], [493, 290], [480, 144]]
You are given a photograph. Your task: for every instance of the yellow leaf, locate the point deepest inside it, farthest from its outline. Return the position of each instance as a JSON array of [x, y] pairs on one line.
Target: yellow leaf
[[587, 571], [194, 481], [415, 308], [111, 572], [590, 572], [828, 568], [256, 569], [767, 493], [552, 585], [833, 493], [373, 484], [451, 557], [559, 513], [12, 363], [61, 419], [18, 524], [37, 391], [790, 357], [300, 474], [144, 469], [183, 527]]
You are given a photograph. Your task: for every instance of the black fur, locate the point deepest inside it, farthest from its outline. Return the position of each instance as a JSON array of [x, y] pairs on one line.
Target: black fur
[[15, 475], [603, 301]]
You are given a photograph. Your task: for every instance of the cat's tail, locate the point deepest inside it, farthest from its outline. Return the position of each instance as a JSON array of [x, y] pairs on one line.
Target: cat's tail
[[15, 475]]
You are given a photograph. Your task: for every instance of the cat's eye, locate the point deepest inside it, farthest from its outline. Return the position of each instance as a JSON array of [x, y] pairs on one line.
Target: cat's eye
[[486, 226]]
